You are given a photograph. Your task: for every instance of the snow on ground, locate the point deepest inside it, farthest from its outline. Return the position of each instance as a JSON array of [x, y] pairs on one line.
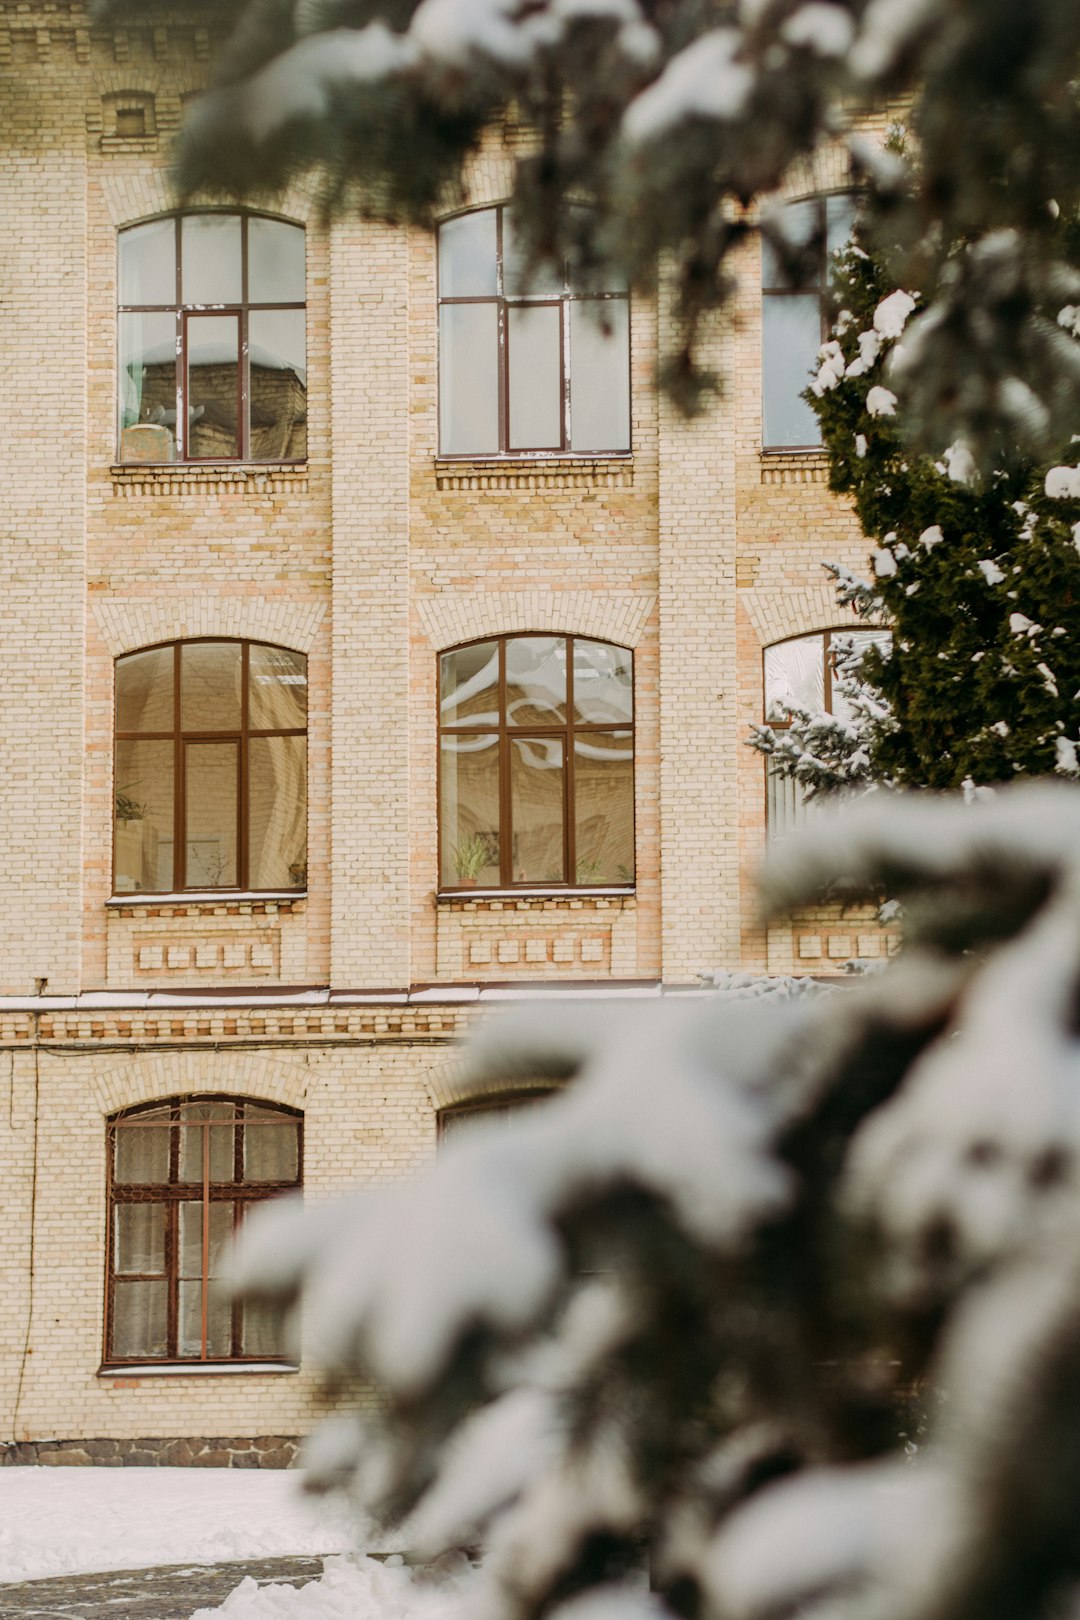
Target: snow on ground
[[355, 1589], [63, 1521]]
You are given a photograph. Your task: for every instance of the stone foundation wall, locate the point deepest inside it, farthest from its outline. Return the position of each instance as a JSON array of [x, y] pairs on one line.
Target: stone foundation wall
[[265, 1451]]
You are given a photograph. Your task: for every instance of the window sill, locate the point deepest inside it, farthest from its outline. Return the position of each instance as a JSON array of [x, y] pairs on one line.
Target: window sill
[[809, 465], [527, 899], [193, 1369], [537, 472], [203, 901], [134, 478]]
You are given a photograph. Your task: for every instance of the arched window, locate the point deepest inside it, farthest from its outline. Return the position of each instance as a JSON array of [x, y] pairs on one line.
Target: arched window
[[213, 360], [800, 673], [536, 763], [502, 1108], [182, 1175], [528, 361], [210, 768], [794, 316]]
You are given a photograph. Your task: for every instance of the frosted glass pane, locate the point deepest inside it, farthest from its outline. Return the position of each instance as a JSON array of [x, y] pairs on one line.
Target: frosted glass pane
[[469, 685], [604, 806], [800, 222], [469, 810], [138, 1238], [543, 278], [220, 1231], [143, 804], [277, 693], [600, 375], [839, 219], [139, 1316], [148, 263], [603, 682], [536, 808], [271, 1146], [193, 1135], [275, 262], [468, 379], [534, 362], [210, 259], [277, 368], [536, 681], [142, 1152], [791, 337], [794, 676], [467, 255], [277, 812], [262, 1329], [218, 1320]]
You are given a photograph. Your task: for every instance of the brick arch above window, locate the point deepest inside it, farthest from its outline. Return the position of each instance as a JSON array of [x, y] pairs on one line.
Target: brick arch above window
[[620, 617], [157, 1076], [129, 623]]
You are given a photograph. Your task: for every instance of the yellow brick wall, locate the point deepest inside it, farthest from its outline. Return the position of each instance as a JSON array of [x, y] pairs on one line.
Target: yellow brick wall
[[371, 559]]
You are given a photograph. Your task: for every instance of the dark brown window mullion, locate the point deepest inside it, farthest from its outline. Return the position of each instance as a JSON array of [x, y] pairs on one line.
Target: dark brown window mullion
[[569, 815], [506, 830], [179, 881], [204, 1283], [565, 424], [242, 765], [243, 371]]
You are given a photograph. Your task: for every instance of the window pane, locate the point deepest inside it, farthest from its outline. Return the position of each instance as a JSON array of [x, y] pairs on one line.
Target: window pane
[[212, 384], [139, 1238], [468, 379], [139, 1317], [786, 805], [262, 1329], [534, 364], [277, 358], [218, 1321], [467, 256], [469, 810], [536, 809], [603, 683], [604, 806], [210, 801], [794, 676], [144, 691], [210, 680], [600, 375], [141, 1152], [839, 220], [220, 1231], [544, 278], [536, 681], [147, 386], [210, 259], [275, 262], [148, 263], [791, 337], [858, 641], [193, 1136], [277, 812], [277, 691], [271, 1145], [469, 685], [143, 802], [801, 222]]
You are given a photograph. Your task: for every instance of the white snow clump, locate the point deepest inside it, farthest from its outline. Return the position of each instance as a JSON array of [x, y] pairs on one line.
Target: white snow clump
[[702, 81], [881, 401]]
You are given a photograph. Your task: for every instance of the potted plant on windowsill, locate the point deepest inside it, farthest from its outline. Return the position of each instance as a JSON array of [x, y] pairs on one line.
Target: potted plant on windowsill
[[470, 858]]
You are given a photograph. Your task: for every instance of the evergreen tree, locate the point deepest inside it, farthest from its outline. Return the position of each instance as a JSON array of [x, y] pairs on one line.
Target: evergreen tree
[[977, 576]]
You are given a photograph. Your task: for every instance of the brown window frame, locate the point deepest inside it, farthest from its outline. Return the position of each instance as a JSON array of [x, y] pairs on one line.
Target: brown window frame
[[566, 731], [181, 739], [819, 241], [241, 312], [172, 1194], [504, 303]]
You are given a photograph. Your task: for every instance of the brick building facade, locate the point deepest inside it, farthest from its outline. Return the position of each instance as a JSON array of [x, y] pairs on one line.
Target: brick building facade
[[334, 995]]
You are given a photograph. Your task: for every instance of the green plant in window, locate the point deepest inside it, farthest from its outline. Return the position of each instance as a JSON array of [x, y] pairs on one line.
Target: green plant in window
[[472, 855], [588, 871], [128, 808]]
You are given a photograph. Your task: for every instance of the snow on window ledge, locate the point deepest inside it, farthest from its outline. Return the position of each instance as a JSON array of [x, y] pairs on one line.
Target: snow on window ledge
[[194, 1369]]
